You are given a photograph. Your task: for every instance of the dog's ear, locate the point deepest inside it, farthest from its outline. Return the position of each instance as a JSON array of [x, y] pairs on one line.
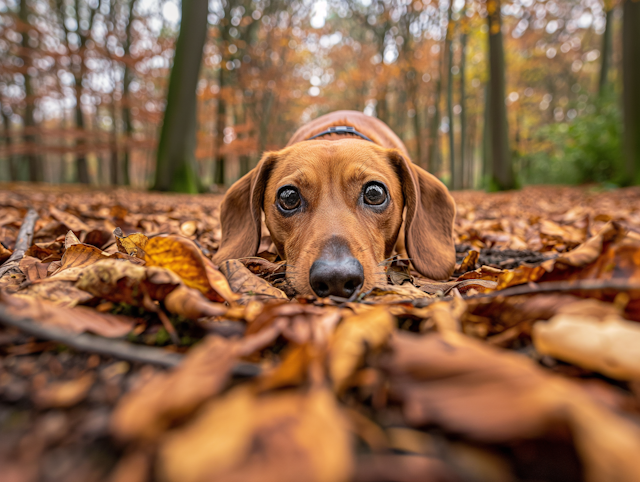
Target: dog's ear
[[428, 221], [241, 213]]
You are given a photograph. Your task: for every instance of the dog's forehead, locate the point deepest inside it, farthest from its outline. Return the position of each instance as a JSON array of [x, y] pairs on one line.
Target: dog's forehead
[[309, 162]]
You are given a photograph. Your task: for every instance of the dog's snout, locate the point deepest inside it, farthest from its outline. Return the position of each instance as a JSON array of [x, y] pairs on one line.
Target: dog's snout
[[338, 277]]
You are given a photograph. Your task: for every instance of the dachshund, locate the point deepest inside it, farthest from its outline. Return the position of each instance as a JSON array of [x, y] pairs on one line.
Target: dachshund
[[335, 200]]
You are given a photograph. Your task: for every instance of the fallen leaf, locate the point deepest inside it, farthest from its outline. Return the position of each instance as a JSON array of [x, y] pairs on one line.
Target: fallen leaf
[[60, 292], [192, 304], [64, 394], [469, 262], [402, 468], [471, 389], [246, 284], [188, 228], [80, 256], [355, 335], [119, 281], [183, 257], [77, 320], [70, 239], [33, 268], [4, 253], [132, 245], [608, 346], [149, 410], [69, 220], [280, 437], [394, 293], [49, 251]]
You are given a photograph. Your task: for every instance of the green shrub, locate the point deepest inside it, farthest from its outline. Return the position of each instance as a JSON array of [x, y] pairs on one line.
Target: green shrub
[[585, 150]]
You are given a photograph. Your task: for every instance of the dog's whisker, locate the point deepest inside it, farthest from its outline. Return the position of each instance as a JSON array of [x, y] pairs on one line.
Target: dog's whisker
[[390, 258]]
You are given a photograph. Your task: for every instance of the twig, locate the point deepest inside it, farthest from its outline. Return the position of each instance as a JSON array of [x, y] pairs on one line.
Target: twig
[[94, 344], [562, 287], [528, 289], [114, 348], [25, 237]]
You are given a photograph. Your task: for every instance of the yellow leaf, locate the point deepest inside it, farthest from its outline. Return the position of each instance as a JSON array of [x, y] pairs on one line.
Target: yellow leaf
[[183, 257]]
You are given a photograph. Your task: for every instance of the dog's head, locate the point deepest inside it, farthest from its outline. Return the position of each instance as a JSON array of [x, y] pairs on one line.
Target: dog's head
[[334, 210]]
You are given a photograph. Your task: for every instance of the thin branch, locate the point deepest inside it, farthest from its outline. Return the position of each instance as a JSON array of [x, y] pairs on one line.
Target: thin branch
[[529, 289], [114, 348], [25, 237], [94, 344]]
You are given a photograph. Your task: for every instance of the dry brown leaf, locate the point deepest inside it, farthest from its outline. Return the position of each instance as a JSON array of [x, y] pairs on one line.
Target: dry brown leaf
[[4, 253], [611, 254], [149, 410], [124, 282], [446, 315], [192, 304], [609, 345], [282, 437], [355, 335], [61, 292], [189, 228], [33, 268], [469, 261], [64, 394], [132, 245], [46, 251], [69, 220], [183, 257], [403, 468], [471, 389], [495, 396], [392, 293], [246, 284], [80, 256], [70, 239], [76, 320]]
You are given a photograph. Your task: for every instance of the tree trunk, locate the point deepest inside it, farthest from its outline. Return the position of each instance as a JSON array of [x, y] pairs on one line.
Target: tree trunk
[[464, 175], [502, 170], [631, 89], [11, 158], [487, 154], [417, 129], [82, 169], [127, 126], [36, 173], [606, 50], [449, 79], [221, 123], [175, 163], [264, 122], [114, 167], [433, 161]]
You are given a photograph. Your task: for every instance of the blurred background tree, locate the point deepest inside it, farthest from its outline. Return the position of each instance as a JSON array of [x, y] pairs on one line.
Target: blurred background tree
[[485, 93]]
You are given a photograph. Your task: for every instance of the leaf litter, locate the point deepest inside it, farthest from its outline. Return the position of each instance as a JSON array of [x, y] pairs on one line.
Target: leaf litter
[[523, 366]]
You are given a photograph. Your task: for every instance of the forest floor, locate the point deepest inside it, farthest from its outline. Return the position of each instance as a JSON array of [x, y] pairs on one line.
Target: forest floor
[[126, 355]]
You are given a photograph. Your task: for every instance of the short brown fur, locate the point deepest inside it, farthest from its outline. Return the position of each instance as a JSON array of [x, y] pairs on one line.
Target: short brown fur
[[330, 172]]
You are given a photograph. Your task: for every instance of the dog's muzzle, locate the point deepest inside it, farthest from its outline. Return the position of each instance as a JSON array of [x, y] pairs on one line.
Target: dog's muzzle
[[336, 272]]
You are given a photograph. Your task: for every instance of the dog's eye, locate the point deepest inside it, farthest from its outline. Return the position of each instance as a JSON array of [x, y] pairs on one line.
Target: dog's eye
[[374, 194], [288, 198]]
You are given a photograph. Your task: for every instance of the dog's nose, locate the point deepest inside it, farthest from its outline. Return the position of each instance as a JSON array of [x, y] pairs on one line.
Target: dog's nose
[[337, 277]]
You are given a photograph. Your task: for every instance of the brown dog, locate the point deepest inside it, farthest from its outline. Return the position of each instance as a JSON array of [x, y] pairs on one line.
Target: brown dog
[[334, 207]]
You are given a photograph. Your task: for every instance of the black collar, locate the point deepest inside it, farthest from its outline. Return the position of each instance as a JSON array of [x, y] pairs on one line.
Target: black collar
[[341, 130]]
